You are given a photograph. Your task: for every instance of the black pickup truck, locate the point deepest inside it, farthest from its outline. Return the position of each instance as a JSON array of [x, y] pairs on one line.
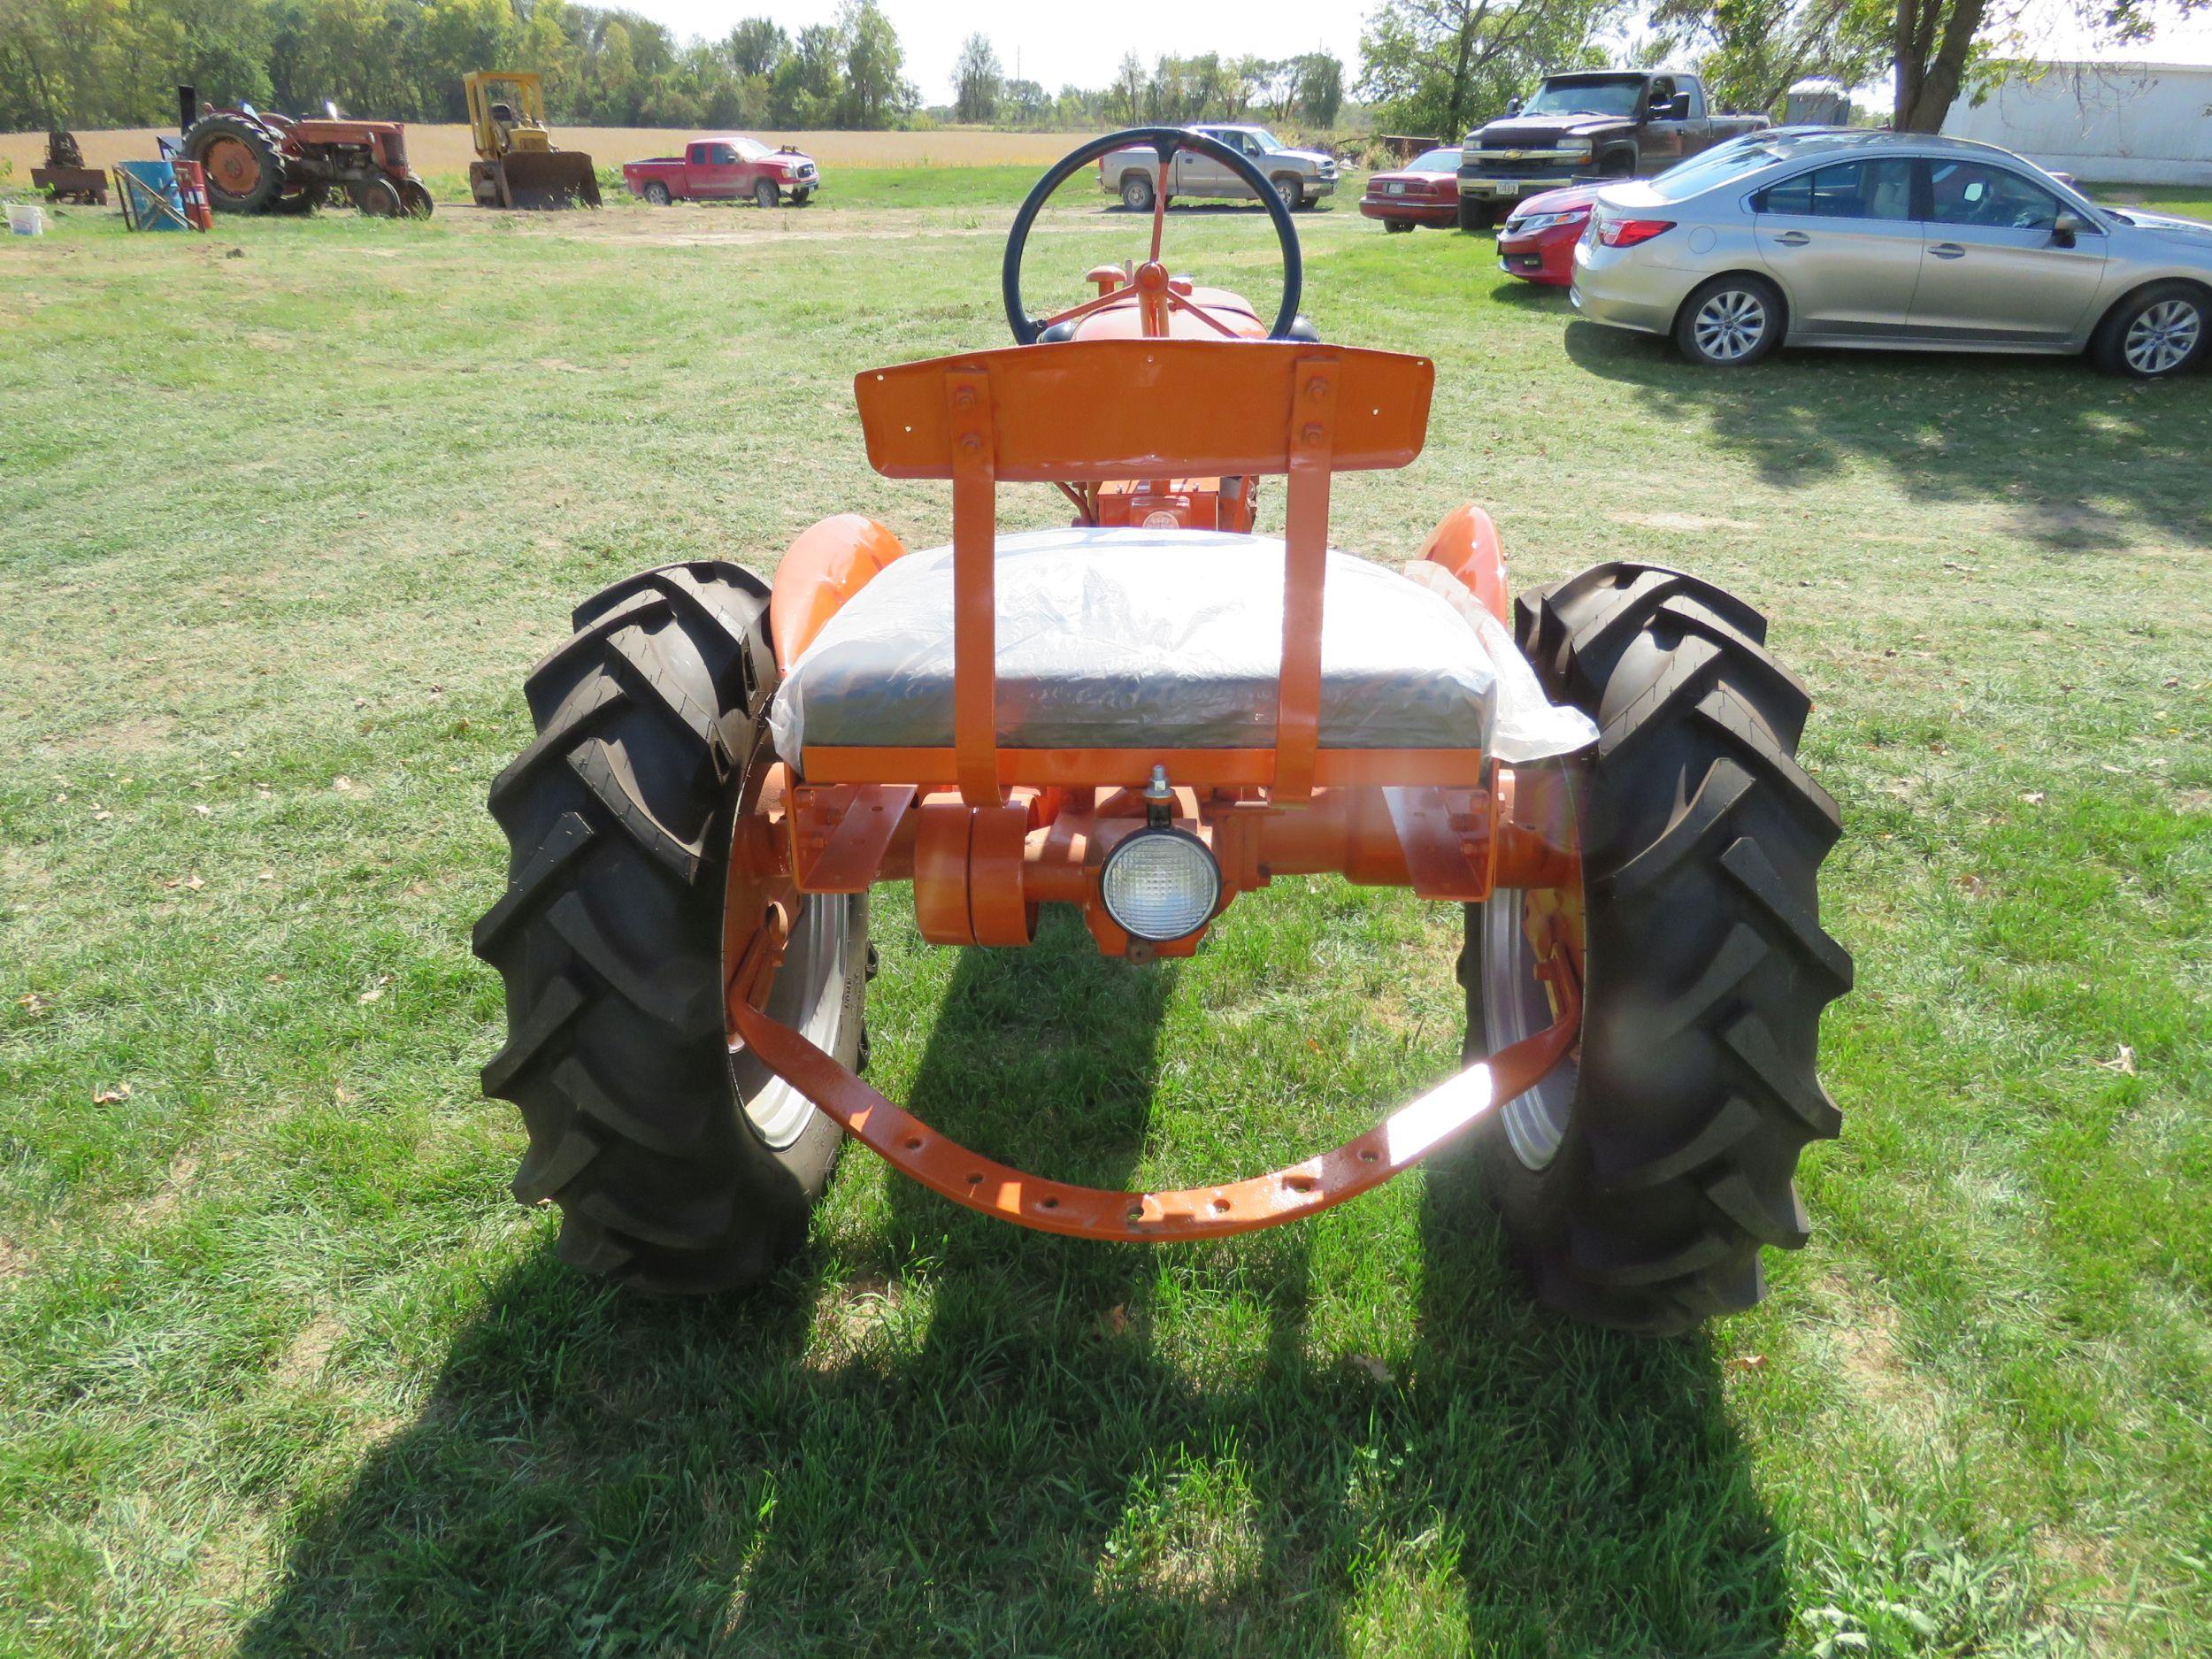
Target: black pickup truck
[[1589, 123]]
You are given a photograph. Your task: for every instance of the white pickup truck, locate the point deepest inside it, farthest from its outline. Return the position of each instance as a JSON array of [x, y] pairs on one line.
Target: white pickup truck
[[1301, 177]]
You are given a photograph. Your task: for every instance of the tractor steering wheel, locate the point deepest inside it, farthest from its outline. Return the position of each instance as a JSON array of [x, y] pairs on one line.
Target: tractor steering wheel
[[1151, 286]]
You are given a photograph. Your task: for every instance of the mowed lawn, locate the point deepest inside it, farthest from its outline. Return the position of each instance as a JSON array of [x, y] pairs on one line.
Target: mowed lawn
[[284, 515]]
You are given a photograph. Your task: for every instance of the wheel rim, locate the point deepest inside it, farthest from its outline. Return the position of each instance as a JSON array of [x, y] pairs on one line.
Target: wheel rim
[[2161, 339], [766, 195], [232, 166], [1730, 325], [1516, 1004], [1287, 190], [1136, 196], [809, 995]]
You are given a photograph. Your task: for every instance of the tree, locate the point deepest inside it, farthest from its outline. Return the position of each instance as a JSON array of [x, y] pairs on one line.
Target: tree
[[977, 79], [757, 46], [1024, 103], [1320, 88], [809, 82], [1124, 99], [872, 59], [1751, 52], [1434, 65]]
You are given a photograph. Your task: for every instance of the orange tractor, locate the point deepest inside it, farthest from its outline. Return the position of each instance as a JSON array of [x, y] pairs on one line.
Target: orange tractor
[[260, 163], [1143, 715]]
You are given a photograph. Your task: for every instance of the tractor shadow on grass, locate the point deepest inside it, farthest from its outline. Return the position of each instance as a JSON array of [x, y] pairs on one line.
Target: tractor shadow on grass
[[2075, 460], [938, 1435]]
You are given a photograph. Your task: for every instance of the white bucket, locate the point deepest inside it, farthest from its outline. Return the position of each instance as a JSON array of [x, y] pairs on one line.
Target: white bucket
[[26, 218]]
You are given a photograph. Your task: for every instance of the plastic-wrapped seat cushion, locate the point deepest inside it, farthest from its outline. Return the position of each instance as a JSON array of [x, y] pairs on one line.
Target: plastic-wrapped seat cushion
[[1124, 639]]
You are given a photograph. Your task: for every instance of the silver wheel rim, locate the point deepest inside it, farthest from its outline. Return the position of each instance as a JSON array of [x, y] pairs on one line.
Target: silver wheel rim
[[1514, 1006], [1135, 196], [1286, 192], [809, 995], [1729, 325], [2161, 339]]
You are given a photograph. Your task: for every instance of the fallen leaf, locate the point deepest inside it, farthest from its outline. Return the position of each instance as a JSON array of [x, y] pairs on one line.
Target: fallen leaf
[[342, 784], [111, 1096], [1374, 1367], [2124, 1062], [203, 811], [1115, 1320], [1748, 1361], [2034, 797], [376, 988], [194, 883], [102, 818], [33, 1003], [266, 875], [273, 978]]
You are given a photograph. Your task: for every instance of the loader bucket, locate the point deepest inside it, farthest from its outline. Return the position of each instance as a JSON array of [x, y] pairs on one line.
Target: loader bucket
[[551, 179]]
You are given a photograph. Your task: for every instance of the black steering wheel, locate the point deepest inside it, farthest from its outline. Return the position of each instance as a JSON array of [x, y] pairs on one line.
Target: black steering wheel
[[1163, 142]]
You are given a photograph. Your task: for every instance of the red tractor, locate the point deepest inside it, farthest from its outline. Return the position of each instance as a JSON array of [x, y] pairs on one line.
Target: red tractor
[[257, 162], [1143, 715]]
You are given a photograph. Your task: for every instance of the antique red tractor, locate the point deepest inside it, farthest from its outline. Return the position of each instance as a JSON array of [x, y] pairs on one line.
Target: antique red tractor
[[259, 163], [1143, 715]]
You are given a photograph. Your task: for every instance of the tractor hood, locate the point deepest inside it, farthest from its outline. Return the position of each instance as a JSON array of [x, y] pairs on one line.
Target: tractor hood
[[1544, 131]]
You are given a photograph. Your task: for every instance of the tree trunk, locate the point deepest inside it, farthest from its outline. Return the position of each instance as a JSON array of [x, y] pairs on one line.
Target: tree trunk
[[1931, 40]]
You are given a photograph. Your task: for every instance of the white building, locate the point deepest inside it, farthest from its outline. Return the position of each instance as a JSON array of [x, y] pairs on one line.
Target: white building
[[2103, 123]]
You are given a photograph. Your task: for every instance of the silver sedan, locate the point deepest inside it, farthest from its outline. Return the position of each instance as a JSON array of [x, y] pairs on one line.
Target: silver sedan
[[1829, 237]]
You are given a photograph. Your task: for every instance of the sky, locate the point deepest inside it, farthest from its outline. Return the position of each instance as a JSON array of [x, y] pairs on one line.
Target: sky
[[1057, 42]]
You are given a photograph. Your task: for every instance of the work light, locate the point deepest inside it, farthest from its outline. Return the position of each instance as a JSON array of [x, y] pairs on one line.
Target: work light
[[1160, 883]]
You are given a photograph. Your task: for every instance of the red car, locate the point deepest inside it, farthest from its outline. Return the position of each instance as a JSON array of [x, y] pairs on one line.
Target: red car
[[1425, 191], [731, 167], [1538, 242]]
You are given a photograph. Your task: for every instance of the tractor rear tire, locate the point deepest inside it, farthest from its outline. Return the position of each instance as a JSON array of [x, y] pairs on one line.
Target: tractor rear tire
[[246, 174], [678, 1169], [1637, 1186]]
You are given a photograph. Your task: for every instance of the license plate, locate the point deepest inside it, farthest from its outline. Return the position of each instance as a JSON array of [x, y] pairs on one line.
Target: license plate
[[1397, 190]]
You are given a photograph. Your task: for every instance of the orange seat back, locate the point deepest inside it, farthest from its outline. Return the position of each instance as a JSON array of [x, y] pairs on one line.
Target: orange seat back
[[1094, 410]]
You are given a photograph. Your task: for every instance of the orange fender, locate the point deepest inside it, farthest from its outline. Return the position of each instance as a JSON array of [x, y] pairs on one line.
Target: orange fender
[[1466, 544], [829, 563]]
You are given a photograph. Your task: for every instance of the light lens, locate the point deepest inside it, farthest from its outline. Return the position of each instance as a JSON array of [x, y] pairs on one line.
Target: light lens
[[1160, 884], [1628, 233]]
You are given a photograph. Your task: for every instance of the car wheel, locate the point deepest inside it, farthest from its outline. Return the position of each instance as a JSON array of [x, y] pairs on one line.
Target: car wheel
[[1474, 215], [765, 194], [1730, 322], [2155, 335], [1292, 192], [1136, 193], [657, 193]]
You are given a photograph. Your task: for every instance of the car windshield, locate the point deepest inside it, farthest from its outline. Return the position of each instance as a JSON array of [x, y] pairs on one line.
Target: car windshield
[[1435, 161], [1587, 97], [750, 149], [1686, 179], [1263, 139]]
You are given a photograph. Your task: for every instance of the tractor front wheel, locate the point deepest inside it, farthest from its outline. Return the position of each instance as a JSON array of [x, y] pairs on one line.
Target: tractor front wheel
[[1639, 1181], [678, 1166]]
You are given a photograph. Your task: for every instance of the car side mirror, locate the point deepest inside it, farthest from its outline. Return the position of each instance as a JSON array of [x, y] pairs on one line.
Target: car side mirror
[[1513, 106], [2067, 226], [1678, 107]]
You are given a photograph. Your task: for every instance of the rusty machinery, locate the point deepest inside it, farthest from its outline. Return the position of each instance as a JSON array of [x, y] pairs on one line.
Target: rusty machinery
[[261, 163]]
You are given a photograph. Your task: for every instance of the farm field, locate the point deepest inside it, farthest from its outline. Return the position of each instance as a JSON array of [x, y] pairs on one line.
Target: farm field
[[287, 513], [436, 148]]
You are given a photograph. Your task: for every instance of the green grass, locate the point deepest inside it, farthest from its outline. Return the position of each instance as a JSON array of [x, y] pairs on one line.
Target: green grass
[[282, 1372]]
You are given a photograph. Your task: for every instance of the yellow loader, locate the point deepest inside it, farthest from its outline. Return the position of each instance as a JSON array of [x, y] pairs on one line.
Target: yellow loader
[[517, 164]]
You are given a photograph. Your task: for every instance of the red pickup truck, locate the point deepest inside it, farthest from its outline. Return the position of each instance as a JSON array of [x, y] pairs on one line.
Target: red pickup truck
[[726, 166]]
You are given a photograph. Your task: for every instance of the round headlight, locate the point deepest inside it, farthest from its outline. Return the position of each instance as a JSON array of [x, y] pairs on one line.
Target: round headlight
[[1160, 884]]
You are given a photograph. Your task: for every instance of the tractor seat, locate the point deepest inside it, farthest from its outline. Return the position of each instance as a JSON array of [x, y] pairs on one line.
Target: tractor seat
[[1133, 638]]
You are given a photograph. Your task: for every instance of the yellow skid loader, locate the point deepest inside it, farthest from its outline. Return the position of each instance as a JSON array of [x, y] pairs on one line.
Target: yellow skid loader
[[517, 164]]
